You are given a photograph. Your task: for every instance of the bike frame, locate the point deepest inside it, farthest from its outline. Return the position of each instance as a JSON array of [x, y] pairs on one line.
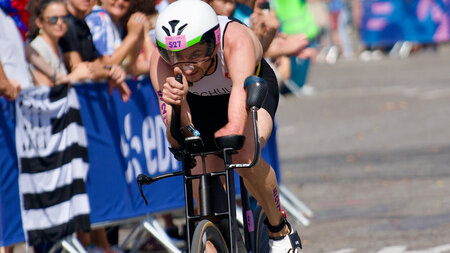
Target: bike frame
[[214, 204]]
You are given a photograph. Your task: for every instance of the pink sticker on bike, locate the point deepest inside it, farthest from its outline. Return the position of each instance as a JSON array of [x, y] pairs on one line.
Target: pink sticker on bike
[[177, 42], [250, 221]]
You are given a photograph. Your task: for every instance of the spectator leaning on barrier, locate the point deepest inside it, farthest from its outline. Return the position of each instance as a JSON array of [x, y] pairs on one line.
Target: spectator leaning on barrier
[[77, 47], [12, 54], [20, 15], [48, 24], [294, 45], [148, 7], [8, 88], [109, 40]]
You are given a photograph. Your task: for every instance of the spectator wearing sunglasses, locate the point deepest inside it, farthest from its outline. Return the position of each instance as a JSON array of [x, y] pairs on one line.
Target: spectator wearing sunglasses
[[113, 46], [50, 24]]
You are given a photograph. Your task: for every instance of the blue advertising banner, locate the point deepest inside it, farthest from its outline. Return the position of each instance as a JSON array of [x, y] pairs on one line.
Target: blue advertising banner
[[10, 220], [385, 22], [124, 139]]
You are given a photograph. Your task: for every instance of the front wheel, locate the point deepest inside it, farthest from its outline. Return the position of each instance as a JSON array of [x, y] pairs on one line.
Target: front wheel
[[207, 238], [262, 233]]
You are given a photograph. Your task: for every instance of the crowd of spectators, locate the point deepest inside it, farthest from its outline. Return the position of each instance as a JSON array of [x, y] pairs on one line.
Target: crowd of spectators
[[72, 41]]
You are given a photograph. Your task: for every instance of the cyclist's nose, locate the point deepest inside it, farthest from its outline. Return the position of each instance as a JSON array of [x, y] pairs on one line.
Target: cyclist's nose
[[188, 68]]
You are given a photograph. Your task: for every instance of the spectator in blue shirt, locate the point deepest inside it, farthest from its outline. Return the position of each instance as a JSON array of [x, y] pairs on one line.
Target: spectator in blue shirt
[[112, 45]]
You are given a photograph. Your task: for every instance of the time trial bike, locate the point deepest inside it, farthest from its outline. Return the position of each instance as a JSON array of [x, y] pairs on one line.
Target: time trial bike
[[211, 224]]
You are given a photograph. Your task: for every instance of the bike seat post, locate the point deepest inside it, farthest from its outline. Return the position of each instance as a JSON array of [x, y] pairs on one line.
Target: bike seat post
[[205, 189], [189, 205], [231, 201]]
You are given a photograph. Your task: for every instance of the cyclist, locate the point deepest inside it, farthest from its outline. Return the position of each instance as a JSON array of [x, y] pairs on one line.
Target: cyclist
[[215, 54]]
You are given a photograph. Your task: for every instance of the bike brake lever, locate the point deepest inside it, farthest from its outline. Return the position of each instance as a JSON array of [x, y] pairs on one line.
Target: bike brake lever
[[143, 179], [142, 194]]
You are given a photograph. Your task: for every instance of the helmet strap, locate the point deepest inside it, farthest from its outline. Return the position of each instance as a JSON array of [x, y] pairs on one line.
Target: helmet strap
[[212, 64]]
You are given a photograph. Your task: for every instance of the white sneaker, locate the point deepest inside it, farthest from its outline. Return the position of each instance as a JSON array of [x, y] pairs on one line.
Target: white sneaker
[[288, 244]]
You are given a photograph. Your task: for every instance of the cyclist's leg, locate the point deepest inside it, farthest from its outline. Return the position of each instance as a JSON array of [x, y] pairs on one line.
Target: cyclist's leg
[[214, 164], [261, 182]]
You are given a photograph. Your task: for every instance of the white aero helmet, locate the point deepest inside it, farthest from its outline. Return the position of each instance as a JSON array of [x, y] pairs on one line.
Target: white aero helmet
[[185, 23]]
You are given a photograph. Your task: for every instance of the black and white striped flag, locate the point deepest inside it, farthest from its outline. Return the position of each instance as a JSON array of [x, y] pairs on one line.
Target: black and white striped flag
[[51, 147]]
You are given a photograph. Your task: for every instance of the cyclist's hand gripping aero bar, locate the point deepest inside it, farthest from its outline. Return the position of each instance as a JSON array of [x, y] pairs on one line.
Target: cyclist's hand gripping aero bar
[[174, 131]]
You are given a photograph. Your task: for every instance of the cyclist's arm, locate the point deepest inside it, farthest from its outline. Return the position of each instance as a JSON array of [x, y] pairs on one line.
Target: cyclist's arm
[[242, 52], [160, 71]]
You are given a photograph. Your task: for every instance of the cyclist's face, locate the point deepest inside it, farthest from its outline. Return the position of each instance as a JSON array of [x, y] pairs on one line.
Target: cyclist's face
[[193, 61]]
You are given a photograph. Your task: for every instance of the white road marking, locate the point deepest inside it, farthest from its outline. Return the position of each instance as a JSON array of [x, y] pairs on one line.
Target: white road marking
[[437, 93], [343, 251], [393, 249], [440, 249], [401, 249], [433, 93]]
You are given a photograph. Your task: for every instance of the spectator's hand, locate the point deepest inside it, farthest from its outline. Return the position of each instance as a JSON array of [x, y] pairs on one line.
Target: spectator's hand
[[264, 22], [136, 24], [10, 89], [296, 43], [174, 92], [61, 78], [308, 52], [257, 23], [117, 77], [82, 71], [291, 44]]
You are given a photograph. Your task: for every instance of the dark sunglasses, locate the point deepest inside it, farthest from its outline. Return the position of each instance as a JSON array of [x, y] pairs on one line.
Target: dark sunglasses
[[54, 19]]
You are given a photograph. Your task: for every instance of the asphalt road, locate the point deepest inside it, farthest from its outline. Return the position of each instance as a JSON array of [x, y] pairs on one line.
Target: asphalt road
[[369, 153]]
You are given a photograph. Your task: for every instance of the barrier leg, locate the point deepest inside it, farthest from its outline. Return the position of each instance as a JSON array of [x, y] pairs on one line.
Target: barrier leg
[[64, 244], [76, 243], [288, 207], [134, 239], [153, 227], [139, 239], [295, 201], [69, 244]]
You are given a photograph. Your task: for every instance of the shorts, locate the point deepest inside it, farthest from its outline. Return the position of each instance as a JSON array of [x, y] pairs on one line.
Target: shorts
[[210, 113]]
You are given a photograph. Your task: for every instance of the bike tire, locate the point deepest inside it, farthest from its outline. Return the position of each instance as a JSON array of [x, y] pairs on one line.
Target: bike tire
[[207, 231], [262, 232]]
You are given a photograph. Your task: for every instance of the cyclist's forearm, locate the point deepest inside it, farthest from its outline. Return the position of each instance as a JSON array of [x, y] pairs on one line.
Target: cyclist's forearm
[[237, 115], [166, 111]]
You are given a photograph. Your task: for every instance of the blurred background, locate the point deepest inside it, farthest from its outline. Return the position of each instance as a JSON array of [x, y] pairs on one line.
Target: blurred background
[[362, 134]]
